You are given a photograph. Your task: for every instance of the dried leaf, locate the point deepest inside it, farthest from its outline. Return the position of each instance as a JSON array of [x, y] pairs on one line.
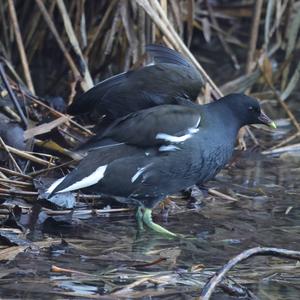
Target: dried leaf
[[44, 128], [11, 252]]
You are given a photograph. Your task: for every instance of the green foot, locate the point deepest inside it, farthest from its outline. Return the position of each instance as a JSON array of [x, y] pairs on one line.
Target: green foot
[[139, 218], [147, 218]]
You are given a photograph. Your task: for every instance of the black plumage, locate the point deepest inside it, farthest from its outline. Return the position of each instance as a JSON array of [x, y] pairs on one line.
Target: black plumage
[[150, 154], [170, 80]]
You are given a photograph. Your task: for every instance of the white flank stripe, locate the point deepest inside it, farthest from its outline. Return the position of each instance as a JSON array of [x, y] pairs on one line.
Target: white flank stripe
[[92, 179], [193, 130], [168, 148], [139, 173], [54, 185], [105, 146], [151, 64], [173, 138], [179, 139]]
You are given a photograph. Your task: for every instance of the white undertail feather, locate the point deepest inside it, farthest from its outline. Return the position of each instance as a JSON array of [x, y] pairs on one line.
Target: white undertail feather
[[54, 185], [139, 173], [198, 123], [90, 180], [168, 148]]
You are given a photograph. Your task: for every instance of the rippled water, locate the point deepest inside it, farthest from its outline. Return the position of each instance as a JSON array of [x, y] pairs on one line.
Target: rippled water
[[111, 255]]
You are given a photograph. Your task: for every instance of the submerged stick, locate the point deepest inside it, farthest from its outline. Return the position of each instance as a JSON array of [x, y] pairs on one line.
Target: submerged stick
[[210, 286], [214, 192]]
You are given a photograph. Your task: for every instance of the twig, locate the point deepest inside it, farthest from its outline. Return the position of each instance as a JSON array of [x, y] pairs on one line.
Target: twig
[[14, 173], [210, 286], [12, 96], [18, 193], [35, 173], [15, 182], [24, 61], [5, 147], [57, 113], [286, 141], [51, 145], [254, 35], [51, 212], [25, 155], [292, 148], [155, 11], [282, 103], [63, 270], [214, 192]]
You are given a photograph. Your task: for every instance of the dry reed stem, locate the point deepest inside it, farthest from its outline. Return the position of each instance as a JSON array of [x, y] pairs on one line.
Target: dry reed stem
[[286, 141], [157, 14], [254, 35], [223, 42], [16, 182], [6, 148], [24, 61], [12, 96], [99, 28], [14, 173], [57, 113], [24, 155], [58, 39], [282, 103], [13, 192], [74, 42]]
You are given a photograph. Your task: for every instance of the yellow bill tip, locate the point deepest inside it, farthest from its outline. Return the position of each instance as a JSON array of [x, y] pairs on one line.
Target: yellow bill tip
[[272, 125]]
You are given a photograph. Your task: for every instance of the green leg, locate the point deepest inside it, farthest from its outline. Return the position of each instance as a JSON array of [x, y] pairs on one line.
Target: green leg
[[147, 218], [139, 218]]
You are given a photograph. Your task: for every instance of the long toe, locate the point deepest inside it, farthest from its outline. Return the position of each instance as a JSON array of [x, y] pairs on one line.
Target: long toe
[[147, 218], [139, 218]]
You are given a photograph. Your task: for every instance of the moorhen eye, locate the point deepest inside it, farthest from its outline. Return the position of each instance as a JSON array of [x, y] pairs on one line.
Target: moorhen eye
[[254, 109]]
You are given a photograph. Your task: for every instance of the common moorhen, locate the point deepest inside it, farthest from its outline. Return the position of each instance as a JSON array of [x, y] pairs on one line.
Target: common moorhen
[[147, 155], [171, 79]]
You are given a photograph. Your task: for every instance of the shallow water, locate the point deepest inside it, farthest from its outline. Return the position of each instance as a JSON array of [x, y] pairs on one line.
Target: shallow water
[[112, 255]]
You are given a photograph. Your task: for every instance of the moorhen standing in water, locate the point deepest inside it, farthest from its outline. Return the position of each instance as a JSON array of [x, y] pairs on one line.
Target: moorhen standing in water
[[147, 155]]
